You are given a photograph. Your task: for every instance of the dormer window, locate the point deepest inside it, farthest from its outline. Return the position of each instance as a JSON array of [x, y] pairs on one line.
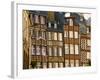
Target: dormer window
[[70, 22], [55, 25], [49, 24]]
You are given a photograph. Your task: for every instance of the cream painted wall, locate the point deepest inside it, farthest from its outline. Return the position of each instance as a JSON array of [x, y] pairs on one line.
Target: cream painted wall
[[5, 40]]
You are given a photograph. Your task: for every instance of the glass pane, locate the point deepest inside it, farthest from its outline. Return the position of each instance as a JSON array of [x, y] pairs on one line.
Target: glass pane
[[70, 22], [55, 51], [42, 19], [61, 65], [49, 35], [50, 51], [66, 49], [38, 50], [50, 65], [36, 19], [72, 63], [76, 49], [71, 49], [70, 34], [43, 50], [44, 65], [55, 36], [60, 51], [33, 50], [88, 55], [60, 36], [76, 34], [65, 33], [77, 63], [66, 63]]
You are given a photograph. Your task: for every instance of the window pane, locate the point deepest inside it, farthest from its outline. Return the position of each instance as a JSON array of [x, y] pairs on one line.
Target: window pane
[[70, 34], [38, 50], [76, 34], [36, 19], [33, 50], [56, 65], [89, 42], [42, 20], [55, 36], [49, 24], [43, 50], [55, 25], [61, 65], [66, 63], [38, 65], [60, 51], [49, 35], [55, 51], [70, 22], [71, 49], [72, 63], [50, 65], [50, 51], [65, 33], [60, 36], [76, 49], [88, 55], [66, 49], [77, 63], [44, 65]]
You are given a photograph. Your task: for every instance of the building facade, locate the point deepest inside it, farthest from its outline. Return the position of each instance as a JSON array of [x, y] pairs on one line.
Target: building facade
[[51, 40]]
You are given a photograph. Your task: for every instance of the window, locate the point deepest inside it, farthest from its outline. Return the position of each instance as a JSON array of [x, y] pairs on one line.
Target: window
[[60, 36], [61, 65], [36, 19], [50, 65], [33, 50], [44, 65], [50, 51], [56, 65], [38, 65], [42, 18], [72, 63], [60, 51], [65, 33], [88, 55], [55, 26], [43, 50], [37, 35], [88, 30], [70, 34], [77, 63], [55, 36], [49, 35], [66, 63], [55, 51], [49, 24], [88, 42], [43, 35], [76, 49], [70, 22], [38, 50], [66, 49], [71, 49], [76, 34]]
